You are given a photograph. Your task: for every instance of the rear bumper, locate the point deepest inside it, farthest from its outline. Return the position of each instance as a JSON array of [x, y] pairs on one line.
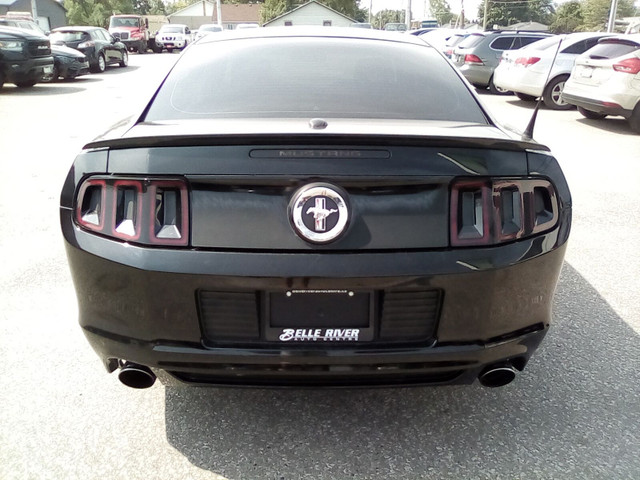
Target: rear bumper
[[141, 305], [598, 106]]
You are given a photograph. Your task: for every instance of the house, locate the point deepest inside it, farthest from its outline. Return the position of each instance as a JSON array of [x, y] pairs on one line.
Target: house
[[51, 14], [205, 11], [311, 13]]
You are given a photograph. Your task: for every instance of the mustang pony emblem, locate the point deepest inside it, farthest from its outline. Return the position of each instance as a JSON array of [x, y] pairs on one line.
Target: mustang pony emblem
[[320, 213]]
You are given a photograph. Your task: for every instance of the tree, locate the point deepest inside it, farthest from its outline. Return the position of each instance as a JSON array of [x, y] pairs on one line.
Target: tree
[[596, 13], [274, 8], [387, 16], [507, 12], [441, 11], [568, 18]]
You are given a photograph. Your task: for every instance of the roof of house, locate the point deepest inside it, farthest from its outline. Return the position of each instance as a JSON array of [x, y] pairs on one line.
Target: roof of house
[[304, 6]]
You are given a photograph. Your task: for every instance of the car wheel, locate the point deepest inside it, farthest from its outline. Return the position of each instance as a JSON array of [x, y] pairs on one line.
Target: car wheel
[[524, 97], [157, 49], [27, 84], [185, 45], [101, 66], [552, 94], [125, 59], [497, 90], [591, 115], [634, 120]]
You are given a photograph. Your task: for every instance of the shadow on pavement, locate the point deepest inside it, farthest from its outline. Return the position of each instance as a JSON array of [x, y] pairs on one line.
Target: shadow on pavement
[[573, 413]]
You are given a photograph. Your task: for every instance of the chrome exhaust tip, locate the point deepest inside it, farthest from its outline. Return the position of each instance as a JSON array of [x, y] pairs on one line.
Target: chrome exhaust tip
[[497, 375], [136, 376]]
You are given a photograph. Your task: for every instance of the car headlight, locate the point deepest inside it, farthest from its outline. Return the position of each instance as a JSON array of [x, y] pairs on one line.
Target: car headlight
[[12, 45]]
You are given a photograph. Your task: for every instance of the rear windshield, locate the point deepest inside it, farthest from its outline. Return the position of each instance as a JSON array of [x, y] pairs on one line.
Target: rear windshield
[[68, 36], [311, 77], [612, 49], [471, 41]]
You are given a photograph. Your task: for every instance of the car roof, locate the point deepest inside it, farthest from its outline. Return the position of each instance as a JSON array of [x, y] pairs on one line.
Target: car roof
[[315, 32]]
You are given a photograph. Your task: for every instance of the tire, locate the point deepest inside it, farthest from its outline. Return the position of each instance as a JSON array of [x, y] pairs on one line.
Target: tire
[[157, 49], [125, 59], [634, 119], [185, 46], [552, 92], [101, 65], [524, 97], [497, 90], [27, 84], [591, 115]]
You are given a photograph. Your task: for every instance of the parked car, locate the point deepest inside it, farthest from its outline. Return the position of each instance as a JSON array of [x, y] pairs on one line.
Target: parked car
[[97, 44], [439, 37], [25, 22], [361, 25], [206, 29], [331, 227], [606, 80], [478, 55], [68, 63], [172, 36], [25, 57], [528, 72], [451, 43]]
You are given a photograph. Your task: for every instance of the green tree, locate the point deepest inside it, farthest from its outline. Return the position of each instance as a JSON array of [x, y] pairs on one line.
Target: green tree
[[387, 16], [274, 8], [568, 18], [441, 10], [596, 13], [507, 12]]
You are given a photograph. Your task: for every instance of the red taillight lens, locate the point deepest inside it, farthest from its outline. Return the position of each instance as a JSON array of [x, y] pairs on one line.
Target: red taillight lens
[[470, 58], [492, 211], [630, 65], [147, 211], [527, 61]]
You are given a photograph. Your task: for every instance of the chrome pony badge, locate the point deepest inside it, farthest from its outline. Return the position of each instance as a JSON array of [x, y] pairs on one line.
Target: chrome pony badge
[[319, 213]]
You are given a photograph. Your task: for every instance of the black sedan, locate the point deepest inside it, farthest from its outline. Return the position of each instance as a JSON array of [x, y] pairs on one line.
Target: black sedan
[[97, 44], [278, 216], [68, 63]]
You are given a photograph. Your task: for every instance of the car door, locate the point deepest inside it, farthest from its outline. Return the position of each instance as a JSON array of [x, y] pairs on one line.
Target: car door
[[111, 52]]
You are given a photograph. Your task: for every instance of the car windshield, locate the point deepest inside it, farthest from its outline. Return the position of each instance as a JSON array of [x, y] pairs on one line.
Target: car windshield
[[171, 30], [67, 36], [311, 77], [124, 22]]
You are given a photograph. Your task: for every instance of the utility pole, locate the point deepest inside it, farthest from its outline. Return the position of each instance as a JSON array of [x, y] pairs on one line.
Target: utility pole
[[219, 12], [484, 19], [407, 15], [34, 11], [370, 7], [612, 16]]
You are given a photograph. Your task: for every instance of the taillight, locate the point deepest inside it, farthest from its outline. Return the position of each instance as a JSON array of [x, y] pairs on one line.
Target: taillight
[[491, 211], [470, 58], [147, 211], [527, 61], [630, 65]]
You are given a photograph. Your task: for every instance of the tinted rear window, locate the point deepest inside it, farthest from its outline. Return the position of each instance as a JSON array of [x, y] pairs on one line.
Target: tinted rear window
[[68, 36], [471, 41], [612, 49], [311, 77]]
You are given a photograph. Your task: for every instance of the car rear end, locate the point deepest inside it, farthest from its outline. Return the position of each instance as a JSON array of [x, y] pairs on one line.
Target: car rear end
[[326, 234], [470, 57], [606, 79]]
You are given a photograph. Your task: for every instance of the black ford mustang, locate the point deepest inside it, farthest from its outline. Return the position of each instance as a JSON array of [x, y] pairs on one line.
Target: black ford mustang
[[316, 208]]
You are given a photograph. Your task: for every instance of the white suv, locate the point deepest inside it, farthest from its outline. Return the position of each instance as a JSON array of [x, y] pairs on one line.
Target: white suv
[[606, 80], [525, 72], [173, 36]]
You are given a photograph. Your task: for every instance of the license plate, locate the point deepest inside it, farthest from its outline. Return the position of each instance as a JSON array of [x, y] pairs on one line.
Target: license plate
[[586, 72], [48, 69], [319, 316]]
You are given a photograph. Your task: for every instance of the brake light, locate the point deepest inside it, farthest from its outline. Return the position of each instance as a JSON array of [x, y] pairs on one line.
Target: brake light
[[629, 65], [470, 58], [490, 211], [527, 61], [147, 211]]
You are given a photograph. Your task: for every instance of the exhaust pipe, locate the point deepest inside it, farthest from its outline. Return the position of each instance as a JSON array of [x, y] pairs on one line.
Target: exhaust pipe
[[136, 376], [497, 375]]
